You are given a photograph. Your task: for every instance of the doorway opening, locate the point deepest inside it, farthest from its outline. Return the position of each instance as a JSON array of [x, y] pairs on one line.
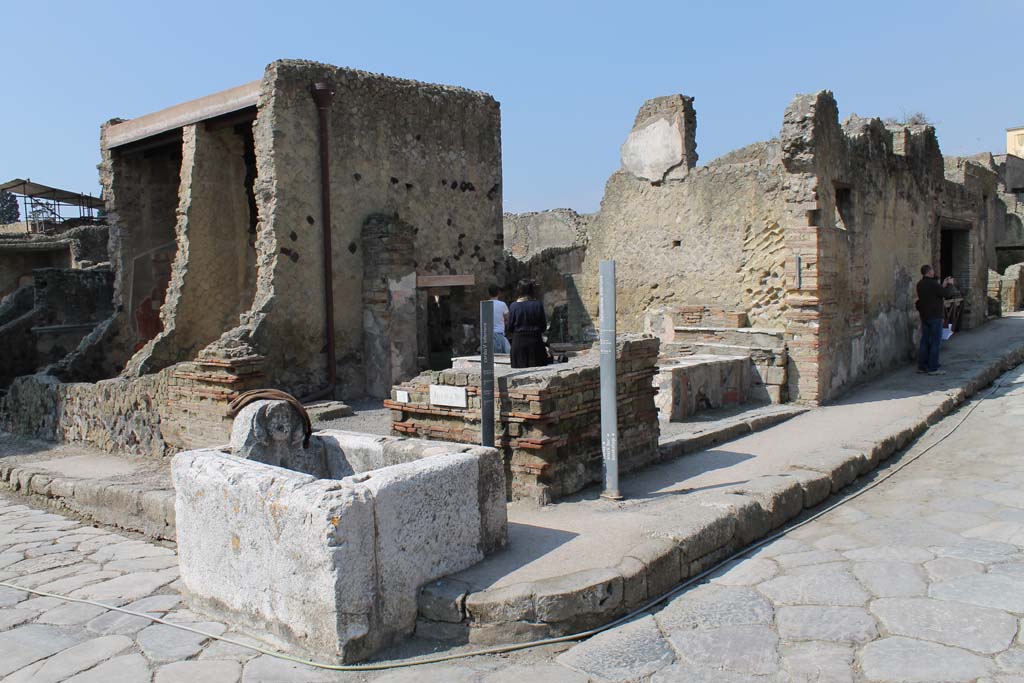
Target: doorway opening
[[439, 331], [955, 255]]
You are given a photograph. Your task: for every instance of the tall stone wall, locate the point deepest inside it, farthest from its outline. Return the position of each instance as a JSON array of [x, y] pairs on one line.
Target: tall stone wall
[[820, 233], [706, 235], [140, 188], [213, 274], [429, 154], [530, 234], [1009, 243], [864, 214]]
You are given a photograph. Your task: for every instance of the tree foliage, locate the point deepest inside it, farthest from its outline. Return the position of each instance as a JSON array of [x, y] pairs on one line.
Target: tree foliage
[[9, 212]]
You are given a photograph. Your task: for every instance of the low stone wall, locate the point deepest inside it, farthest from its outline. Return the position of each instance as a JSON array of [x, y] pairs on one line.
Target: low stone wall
[[113, 415], [331, 567], [183, 406], [1009, 288], [691, 384], [548, 424]]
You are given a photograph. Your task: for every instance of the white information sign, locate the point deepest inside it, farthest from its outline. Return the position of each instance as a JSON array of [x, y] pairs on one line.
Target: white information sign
[[454, 397], [401, 396]]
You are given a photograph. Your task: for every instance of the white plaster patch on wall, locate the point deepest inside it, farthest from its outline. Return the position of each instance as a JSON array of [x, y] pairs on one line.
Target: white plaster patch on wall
[[650, 152]]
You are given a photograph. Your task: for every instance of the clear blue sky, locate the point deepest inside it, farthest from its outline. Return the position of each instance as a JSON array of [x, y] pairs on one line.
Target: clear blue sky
[[569, 75]]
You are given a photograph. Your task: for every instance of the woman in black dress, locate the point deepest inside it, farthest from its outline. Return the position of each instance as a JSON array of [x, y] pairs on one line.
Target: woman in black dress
[[526, 324]]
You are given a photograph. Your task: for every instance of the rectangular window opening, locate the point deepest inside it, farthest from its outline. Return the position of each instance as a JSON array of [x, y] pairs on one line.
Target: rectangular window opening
[[844, 206]]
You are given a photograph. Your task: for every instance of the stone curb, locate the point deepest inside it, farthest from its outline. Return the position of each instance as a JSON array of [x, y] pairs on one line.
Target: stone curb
[[118, 504], [674, 447], [726, 521]]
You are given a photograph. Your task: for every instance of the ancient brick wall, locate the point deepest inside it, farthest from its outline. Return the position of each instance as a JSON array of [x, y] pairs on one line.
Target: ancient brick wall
[[863, 216], [1008, 238], [820, 233], [1007, 290], [429, 154], [117, 415], [140, 187]]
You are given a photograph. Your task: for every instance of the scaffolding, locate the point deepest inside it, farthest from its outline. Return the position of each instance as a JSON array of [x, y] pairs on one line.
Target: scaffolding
[[44, 206]]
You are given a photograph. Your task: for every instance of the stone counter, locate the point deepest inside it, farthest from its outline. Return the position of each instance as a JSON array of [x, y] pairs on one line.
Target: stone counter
[[548, 422]]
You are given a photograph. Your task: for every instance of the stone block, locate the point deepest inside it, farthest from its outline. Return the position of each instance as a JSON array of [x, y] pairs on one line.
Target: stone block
[[634, 582], [816, 486], [443, 600], [578, 598], [322, 411], [504, 604], [507, 632], [750, 520], [781, 497], [661, 560], [442, 630]]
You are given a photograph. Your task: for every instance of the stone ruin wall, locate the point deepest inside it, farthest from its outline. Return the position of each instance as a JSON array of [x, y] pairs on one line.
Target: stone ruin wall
[[212, 277], [433, 162], [530, 234], [820, 233], [711, 238], [1009, 243], [428, 154], [865, 214]]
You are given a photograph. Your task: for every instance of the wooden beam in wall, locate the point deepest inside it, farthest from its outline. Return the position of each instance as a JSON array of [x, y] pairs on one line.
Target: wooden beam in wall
[[423, 281]]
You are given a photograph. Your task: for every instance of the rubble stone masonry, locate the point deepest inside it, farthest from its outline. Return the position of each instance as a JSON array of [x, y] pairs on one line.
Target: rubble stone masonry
[[548, 419]]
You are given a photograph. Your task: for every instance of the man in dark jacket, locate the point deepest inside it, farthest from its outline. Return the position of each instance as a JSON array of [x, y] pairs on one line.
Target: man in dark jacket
[[930, 304]]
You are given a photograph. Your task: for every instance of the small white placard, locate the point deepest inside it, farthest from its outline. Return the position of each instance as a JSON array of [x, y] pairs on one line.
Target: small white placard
[[401, 396], [455, 397]]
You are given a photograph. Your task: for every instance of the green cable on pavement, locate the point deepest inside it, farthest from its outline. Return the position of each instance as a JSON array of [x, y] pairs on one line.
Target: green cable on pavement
[[534, 643]]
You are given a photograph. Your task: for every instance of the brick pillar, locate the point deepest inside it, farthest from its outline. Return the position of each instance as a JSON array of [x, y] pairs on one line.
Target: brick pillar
[[390, 341]]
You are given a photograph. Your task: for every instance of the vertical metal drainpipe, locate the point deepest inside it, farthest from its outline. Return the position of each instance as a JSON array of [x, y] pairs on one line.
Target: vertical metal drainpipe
[[322, 95]]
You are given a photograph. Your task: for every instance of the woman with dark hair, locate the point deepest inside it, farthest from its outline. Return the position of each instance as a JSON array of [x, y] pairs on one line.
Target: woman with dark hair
[[526, 324]]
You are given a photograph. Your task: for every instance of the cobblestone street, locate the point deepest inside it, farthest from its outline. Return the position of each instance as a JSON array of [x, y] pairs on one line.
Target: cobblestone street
[[918, 579]]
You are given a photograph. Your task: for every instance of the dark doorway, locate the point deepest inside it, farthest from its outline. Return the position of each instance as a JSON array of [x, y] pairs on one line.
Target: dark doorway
[[955, 255], [439, 331]]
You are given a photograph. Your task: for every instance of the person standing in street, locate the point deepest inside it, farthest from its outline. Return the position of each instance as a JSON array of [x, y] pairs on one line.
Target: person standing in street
[[931, 298], [501, 344]]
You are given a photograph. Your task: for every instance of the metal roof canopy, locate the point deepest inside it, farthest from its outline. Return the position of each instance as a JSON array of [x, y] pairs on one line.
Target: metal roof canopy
[[27, 188], [193, 111]]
